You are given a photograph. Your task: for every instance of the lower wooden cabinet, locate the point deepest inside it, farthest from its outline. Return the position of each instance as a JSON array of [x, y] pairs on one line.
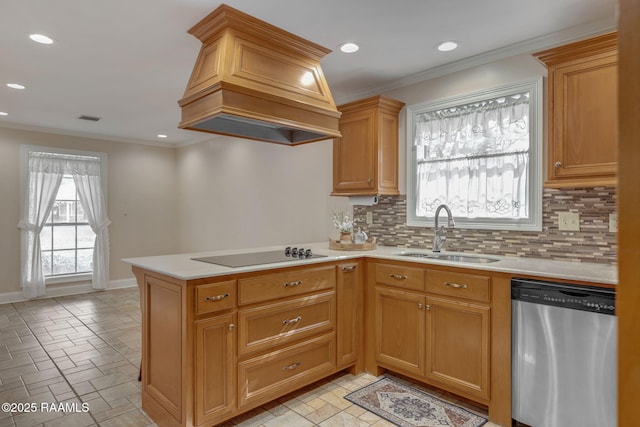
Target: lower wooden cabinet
[[458, 345], [400, 330], [215, 348], [215, 379], [350, 310], [447, 327]]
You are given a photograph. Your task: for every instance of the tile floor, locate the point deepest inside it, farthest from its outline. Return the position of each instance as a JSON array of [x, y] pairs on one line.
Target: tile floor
[[85, 350]]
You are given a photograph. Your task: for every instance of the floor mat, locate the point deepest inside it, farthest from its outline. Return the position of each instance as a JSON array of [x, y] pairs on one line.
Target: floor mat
[[406, 406]]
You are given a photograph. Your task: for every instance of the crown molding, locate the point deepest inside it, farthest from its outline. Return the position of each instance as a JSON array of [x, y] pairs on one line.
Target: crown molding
[[525, 47]]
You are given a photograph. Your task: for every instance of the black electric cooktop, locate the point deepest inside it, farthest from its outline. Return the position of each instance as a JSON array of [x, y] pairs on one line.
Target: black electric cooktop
[[258, 258]]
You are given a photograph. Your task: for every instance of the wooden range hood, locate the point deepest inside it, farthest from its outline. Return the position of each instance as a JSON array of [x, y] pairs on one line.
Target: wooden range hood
[[253, 80]]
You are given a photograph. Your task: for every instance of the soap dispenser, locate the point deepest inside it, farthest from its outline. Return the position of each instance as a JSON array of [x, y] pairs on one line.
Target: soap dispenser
[[359, 237]]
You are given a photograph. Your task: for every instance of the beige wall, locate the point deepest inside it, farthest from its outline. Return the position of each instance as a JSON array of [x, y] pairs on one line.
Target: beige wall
[[141, 197], [237, 193]]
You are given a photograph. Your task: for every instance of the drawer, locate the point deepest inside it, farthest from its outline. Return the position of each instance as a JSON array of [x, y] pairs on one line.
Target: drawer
[[275, 374], [215, 297], [460, 285], [265, 327], [285, 284], [404, 277]]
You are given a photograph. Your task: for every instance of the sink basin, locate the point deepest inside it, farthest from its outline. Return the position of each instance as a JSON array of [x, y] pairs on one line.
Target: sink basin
[[450, 257]]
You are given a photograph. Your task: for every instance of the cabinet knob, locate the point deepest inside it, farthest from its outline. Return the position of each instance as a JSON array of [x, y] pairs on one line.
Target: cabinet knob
[[427, 307], [558, 164], [232, 327], [369, 181], [420, 306]]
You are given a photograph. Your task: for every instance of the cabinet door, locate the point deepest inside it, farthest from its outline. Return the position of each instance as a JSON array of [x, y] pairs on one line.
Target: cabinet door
[[355, 154], [388, 153], [349, 296], [458, 345], [215, 378], [583, 120], [399, 330]]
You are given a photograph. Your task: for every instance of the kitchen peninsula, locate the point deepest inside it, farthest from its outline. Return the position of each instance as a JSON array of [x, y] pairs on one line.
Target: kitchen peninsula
[[218, 341]]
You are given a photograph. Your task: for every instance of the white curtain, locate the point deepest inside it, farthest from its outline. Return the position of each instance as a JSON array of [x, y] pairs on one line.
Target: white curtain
[[43, 180], [87, 177], [45, 172], [474, 158]]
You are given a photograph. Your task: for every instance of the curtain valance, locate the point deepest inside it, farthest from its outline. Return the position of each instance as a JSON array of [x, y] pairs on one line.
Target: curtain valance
[[490, 127]]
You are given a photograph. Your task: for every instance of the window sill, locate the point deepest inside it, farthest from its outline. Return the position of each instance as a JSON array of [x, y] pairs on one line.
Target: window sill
[[69, 278], [534, 224]]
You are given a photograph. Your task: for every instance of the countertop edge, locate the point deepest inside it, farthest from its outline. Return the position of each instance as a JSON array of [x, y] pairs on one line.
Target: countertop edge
[[180, 266]]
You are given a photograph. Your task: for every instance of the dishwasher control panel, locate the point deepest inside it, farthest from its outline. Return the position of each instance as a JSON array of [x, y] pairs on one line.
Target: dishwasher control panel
[[598, 300]]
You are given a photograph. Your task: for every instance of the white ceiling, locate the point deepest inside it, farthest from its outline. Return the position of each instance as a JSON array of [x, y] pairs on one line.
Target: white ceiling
[[128, 61]]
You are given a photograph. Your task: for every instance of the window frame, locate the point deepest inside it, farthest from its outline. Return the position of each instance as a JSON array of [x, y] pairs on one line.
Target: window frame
[[535, 179], [24, 159]]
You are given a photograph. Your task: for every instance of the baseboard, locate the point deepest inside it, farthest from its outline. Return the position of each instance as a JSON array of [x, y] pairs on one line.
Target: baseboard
[[66, 289]]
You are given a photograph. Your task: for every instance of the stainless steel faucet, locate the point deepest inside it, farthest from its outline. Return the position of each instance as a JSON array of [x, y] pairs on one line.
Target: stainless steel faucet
[[439, 235]]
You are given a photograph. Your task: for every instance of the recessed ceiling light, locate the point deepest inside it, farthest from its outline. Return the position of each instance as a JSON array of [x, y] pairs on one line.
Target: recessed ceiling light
[[2, 113], [349, 47], [160, 135], [41, 38], [447, 46], [15, 86]]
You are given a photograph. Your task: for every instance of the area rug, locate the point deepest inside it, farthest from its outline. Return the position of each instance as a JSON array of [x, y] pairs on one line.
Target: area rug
[[406, 406]]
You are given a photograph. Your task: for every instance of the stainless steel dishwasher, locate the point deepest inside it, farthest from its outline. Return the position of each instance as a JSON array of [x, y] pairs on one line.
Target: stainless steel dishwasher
[[564, 355]]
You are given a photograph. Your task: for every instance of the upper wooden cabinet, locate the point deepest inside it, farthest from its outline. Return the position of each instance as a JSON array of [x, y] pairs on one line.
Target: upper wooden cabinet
[[582, 114], [365, 158]]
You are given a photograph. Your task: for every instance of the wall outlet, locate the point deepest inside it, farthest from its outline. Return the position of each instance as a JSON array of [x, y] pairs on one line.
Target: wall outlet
[[369, 218], [569, 221], [613, 222]]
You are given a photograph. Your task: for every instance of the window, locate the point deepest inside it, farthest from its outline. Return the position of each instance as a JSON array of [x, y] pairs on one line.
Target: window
[[66, 239], [64, 223], [479, 154]]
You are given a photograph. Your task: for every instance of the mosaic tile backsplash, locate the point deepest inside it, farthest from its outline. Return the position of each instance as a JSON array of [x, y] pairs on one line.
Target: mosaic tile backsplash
[[593, 243]]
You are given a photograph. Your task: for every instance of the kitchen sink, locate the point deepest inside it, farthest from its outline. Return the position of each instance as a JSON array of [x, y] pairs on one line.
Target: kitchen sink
[[451, 257]]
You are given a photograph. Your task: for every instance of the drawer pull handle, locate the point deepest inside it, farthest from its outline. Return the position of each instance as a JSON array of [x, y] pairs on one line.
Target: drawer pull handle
[[216, 298], [398, 276], [292, 366], [456, 285], [292, 284], [349, 268], [292, 321]]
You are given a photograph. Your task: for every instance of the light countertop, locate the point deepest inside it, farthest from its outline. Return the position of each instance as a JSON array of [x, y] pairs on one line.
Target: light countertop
[[181, 266]]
